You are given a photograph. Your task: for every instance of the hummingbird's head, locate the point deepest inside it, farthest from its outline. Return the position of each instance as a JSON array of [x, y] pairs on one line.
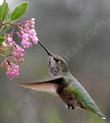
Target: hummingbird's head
[[57, 64]]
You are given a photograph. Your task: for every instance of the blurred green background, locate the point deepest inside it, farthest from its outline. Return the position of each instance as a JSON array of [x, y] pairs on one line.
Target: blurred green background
[[79, 31]]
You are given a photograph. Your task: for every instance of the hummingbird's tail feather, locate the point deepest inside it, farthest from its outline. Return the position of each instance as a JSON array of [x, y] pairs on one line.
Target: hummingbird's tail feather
[[50, 86], [92, 107], [102, 116], [98, 112]]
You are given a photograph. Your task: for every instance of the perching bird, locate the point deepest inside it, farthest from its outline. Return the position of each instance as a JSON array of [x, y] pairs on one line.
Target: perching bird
[[64, 85]]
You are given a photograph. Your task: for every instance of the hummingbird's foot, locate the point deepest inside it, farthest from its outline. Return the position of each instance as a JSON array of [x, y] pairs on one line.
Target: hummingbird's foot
[[70, 106]]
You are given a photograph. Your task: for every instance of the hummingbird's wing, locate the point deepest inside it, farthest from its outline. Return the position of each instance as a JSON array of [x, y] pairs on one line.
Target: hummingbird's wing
[[50, 86], [82, 96]]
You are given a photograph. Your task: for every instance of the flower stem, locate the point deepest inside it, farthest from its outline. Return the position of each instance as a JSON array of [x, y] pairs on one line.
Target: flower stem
[[2, 56]]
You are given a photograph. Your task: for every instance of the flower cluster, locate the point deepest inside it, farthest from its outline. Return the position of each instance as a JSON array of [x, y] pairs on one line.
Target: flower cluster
[[29, 35], [28, 38], [18, 54], [12, 70]]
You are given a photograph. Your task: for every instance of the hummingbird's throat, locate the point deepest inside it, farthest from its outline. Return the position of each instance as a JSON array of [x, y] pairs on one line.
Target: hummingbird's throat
[[54, 67], [56, 64]]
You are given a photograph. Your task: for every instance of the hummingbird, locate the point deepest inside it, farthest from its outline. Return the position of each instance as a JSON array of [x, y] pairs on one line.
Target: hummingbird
[[64, 85]]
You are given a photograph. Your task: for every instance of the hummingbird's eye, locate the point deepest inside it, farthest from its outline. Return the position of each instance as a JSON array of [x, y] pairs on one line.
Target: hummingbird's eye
[[57, 60]]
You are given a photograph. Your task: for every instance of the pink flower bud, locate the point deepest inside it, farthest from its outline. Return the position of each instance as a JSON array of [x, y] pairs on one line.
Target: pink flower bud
[[33, 19], [32, 32], [12, 71], [25, 36], [18, 54], [35, 40], [26, 44], [10, 41]]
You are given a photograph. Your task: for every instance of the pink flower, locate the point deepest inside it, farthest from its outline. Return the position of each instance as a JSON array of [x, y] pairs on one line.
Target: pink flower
[[32, 21], [26, 44], [32, 32], [12, 70], [35, 40], [18, 54], [28, 32], [9, 41], [28, 37], [25, 36]]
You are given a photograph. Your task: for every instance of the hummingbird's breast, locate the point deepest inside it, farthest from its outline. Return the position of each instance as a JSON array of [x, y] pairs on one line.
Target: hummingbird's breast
[[70, 99]]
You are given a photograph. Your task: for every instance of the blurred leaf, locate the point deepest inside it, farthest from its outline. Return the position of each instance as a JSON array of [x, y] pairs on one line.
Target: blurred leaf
[[4, 10], [2, 39], [19, 11]]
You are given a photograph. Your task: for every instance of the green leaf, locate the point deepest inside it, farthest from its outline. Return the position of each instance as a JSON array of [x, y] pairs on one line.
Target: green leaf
[[4, 9], [2, 39], [19, 11]]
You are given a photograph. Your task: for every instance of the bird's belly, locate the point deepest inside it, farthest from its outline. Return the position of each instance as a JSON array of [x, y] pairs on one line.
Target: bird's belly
[[70, 100]]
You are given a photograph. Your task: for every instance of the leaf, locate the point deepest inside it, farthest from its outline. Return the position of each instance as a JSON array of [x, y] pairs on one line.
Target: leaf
[[2, 39], [4, 9], [19, 11]]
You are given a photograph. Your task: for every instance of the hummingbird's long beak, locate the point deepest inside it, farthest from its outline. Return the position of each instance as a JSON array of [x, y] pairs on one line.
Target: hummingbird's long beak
[[48, 52]]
